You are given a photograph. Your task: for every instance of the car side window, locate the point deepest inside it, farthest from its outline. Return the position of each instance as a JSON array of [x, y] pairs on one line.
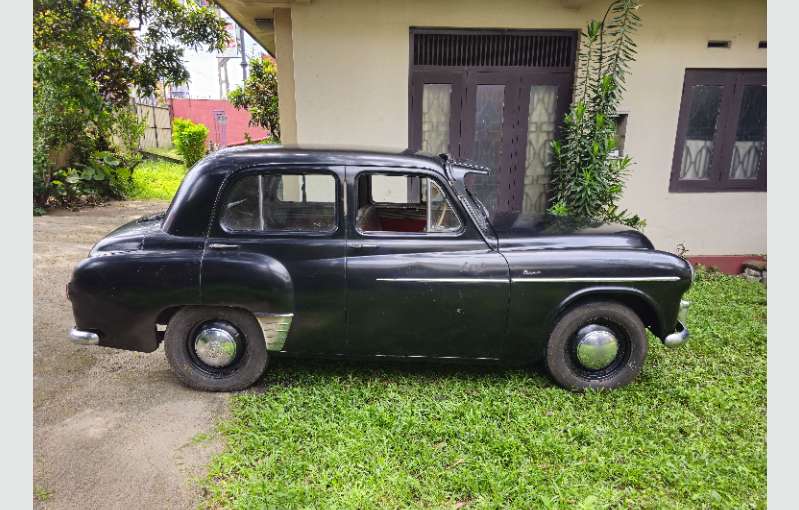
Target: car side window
[[281, 202], [403, 203]]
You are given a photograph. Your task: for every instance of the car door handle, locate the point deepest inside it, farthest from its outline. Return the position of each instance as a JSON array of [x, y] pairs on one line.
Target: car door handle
[[363, 246], [223, 246]]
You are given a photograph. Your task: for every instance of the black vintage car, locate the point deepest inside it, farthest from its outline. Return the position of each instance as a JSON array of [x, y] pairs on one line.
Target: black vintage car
[[269, 251]]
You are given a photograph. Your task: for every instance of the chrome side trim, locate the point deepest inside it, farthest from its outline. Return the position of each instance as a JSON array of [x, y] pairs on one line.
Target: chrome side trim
[[276, 328], [604, 279], [445, 280], [81, 337], [609, 279]]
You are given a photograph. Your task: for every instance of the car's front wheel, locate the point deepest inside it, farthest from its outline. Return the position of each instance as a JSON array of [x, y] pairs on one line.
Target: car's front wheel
[[215, 349], [600, 345]]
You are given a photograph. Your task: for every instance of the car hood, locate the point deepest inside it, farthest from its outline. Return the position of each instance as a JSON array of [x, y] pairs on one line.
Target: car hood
[[537, 231], [130, 236]]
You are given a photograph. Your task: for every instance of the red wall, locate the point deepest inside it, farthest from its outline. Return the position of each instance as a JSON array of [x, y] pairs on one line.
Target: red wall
[[202, 112], [730, 264]]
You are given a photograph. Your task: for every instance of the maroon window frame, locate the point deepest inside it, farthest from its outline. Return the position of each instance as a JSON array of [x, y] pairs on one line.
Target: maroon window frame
[[733, 82]]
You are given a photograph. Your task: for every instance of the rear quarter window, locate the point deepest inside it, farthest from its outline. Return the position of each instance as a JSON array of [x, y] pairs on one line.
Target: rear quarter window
[[281, 202]]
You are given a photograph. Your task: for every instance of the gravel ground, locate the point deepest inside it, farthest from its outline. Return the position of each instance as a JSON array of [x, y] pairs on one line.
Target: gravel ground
[[112, 429]]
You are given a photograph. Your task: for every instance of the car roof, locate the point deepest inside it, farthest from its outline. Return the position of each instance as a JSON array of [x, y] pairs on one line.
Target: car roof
[[190, 210], [255, 154]]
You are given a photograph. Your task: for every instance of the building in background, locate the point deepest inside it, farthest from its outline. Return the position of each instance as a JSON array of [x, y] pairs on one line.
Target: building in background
[[491, 82], [226, 125]]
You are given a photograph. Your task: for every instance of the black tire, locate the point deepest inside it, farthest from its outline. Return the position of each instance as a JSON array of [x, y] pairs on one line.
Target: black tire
[[561, 359], [246, 369]]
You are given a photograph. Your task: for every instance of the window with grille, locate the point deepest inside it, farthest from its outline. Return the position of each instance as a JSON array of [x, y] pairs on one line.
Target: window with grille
[[721, 132]]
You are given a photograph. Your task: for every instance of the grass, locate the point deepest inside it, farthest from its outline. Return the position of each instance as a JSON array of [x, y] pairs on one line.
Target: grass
[[200, 437], [156, 180], [170, 153], [689, 433], [41, 494]]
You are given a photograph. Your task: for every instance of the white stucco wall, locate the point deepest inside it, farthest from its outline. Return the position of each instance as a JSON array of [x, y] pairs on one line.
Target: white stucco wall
[[351, 88]]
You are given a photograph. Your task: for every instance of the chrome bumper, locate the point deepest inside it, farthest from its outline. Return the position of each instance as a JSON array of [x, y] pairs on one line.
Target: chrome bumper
[[81, 337], [680, 335]]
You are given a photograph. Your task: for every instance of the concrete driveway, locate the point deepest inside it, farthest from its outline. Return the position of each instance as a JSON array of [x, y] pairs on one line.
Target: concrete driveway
[[112, 429]]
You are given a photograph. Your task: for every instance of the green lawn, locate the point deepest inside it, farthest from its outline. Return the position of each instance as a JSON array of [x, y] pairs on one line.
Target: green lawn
[[170, 153], [689, 433], [156, 180]]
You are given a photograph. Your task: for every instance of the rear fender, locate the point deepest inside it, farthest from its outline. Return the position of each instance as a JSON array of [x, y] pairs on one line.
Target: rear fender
[[253, 281], [121, 294]]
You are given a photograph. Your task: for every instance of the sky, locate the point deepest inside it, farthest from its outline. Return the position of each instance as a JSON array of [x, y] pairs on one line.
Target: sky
[[202, 66]]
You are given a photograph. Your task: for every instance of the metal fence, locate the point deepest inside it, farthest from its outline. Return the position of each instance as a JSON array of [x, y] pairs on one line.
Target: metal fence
[[158, 125]]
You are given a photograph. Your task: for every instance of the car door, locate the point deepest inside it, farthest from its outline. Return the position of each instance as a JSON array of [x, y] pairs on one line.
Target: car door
[[298, 237], [412, 291]]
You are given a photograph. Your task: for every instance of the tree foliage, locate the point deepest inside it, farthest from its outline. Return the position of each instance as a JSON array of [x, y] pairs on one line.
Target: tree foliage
[[128, 43], [89, 56], [258, 95], [588, 180]]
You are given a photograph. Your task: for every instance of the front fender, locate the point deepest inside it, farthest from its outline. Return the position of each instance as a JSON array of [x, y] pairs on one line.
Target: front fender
[[546, 282], [642, 303]]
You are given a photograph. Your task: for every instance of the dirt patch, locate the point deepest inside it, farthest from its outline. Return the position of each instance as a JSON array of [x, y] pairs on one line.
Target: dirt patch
[[112, 429]]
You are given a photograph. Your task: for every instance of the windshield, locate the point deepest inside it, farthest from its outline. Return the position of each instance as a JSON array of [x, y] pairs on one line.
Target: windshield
[[475, 208]]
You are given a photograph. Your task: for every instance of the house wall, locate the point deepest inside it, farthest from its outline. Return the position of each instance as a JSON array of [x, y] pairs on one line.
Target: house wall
[[351, 61]]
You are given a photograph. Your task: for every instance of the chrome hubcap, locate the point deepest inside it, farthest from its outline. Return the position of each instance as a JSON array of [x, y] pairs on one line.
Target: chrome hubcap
[[215, 346], [597, 347]]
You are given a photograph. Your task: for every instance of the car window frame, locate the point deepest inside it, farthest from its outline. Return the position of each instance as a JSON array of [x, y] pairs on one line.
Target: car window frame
[[417, 172], [300, 169]]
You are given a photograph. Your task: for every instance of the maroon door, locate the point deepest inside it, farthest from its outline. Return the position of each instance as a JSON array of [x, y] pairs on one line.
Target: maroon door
[[496, 97], [489, 126]]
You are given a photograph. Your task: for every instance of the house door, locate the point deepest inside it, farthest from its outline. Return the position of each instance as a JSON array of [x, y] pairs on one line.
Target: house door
[[496, 97]]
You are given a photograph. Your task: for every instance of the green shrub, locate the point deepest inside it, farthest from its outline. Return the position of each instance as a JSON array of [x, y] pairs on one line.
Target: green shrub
[[83, 151], [189, 140], [105, 175]]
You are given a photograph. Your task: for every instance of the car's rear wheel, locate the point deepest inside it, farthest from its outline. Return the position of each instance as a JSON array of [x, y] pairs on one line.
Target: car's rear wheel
[[600, 345], [215, 349]]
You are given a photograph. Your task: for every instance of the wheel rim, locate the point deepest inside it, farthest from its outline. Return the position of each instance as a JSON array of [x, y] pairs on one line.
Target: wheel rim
[[598, 349], [216, 347]]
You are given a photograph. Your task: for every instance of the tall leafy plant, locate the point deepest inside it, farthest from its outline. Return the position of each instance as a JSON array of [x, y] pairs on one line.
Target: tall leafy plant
[[587, 179]]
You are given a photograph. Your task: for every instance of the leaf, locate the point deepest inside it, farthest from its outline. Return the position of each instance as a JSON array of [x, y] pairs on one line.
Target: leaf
[[111, 160]]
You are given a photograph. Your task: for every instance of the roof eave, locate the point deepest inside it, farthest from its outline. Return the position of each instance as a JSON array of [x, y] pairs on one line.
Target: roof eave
[[257, 17]]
